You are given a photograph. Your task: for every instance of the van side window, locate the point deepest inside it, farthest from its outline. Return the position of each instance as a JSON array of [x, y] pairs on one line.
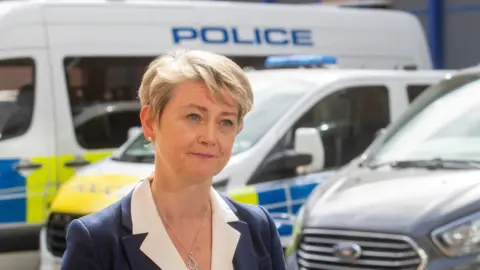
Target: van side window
[[348, 121], [106, 130], [17, 92], [109, 81], [101, 89], [414, 91]]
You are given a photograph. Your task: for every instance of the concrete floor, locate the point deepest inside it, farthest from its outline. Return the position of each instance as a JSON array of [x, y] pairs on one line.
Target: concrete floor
[[20, 261]]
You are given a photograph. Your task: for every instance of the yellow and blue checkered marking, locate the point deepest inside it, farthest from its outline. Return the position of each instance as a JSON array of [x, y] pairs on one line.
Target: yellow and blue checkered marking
[[13, 203], [25, 199], [282, 198]]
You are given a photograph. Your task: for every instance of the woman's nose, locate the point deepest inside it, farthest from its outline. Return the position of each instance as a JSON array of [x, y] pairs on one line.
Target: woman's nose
[[208, 134]]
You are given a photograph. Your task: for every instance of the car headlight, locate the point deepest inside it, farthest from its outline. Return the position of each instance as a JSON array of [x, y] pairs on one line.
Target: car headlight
[[459, 238], [296, 232]]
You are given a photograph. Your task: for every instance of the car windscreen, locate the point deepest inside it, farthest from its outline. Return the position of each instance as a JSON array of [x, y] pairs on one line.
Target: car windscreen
[[443, 124], [271, 101]]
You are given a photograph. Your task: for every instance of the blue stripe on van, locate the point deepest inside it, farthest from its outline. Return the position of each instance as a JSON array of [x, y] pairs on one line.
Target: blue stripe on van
[[282, 209], [296, 208], [285, 230], [284, 206], [298, 192], [13, 202], [272, 196]]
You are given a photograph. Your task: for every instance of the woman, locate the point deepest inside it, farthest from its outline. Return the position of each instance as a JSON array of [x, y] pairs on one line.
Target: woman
[[193, 104]]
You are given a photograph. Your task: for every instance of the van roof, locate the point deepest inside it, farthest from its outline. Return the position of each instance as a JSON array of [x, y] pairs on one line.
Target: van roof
[[152, 27], [382, 14], [178, 3], [320, 76]]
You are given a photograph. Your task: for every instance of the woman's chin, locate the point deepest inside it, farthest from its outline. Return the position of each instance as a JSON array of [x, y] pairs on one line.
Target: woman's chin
[[199, 175]]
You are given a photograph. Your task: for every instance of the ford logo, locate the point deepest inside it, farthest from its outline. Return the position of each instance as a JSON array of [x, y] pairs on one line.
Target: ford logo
[[347, 251]]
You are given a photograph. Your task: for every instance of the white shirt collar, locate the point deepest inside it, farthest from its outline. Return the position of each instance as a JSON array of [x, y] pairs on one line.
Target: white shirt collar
[[158, 245]]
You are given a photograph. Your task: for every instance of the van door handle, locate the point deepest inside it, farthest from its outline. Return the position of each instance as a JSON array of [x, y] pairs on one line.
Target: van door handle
[[26, 165], [77, 162]]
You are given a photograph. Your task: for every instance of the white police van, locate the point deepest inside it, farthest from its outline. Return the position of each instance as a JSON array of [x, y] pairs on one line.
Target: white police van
[[62, 58]]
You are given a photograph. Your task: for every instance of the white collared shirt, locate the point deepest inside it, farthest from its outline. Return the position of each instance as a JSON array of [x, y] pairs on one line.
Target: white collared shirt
[[159, 247]]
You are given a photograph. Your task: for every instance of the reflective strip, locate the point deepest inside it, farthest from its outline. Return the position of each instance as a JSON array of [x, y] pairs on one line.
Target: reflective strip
[[286, 197], [283, 199], [12, 208], [25, 196], [285, 204], [272, 196], [301, 191], [37, 194], [285, 230], [12, 190], [245, 195]]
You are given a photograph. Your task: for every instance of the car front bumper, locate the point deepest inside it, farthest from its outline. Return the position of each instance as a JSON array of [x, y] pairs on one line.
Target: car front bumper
[[445, 263]]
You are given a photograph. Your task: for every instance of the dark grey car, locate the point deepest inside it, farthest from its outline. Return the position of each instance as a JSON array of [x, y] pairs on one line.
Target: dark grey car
[[412, 201]]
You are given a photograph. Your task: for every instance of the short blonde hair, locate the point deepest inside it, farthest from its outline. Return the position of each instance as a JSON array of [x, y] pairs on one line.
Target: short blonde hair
[[216, 71]]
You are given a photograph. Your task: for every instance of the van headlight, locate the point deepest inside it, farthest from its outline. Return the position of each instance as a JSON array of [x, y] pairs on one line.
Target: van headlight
[[459, 238]]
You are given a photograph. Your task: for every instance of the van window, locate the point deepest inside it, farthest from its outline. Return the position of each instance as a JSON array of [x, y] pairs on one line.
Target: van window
[[414, 91], [100, 80], [98, 88], [107, 130], [17, 89], [348, 121]]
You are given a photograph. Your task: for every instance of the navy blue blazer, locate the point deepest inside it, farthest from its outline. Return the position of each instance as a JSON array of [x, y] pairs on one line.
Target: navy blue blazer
[[104, 240]]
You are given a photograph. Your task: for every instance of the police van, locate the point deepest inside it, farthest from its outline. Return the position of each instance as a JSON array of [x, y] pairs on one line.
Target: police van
[[61, 59], [303, 121]]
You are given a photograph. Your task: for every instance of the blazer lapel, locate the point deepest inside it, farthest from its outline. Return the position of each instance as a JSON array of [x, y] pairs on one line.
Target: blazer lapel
[[224, 237], [148, 246], [239, 239], [244, 258], [136, 258]]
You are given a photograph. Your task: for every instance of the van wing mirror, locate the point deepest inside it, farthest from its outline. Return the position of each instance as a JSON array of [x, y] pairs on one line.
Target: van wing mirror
[[133, 132], [287, 160], [308, 141]]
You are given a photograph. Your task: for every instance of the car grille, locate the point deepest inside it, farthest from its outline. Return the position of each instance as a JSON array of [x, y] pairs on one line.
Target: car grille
[[56, 231], [319, 249]]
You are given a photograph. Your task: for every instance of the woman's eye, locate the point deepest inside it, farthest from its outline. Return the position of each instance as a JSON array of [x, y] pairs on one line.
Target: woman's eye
[[194, 116], [227, 122]]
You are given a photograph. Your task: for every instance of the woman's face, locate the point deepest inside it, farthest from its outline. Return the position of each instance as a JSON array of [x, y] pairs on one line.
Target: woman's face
[[195, 134]]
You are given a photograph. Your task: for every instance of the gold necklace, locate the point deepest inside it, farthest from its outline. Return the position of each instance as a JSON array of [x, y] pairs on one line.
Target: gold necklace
[[191, 264]]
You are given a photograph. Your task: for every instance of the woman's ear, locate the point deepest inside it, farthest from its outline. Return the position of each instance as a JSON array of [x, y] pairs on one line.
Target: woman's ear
[[148, 122]]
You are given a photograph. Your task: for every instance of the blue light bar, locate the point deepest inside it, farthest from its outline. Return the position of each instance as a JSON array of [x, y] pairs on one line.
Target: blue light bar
[[299, 60]]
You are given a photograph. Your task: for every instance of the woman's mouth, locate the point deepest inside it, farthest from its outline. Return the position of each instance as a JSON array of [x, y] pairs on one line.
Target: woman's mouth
[[202, 155]]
